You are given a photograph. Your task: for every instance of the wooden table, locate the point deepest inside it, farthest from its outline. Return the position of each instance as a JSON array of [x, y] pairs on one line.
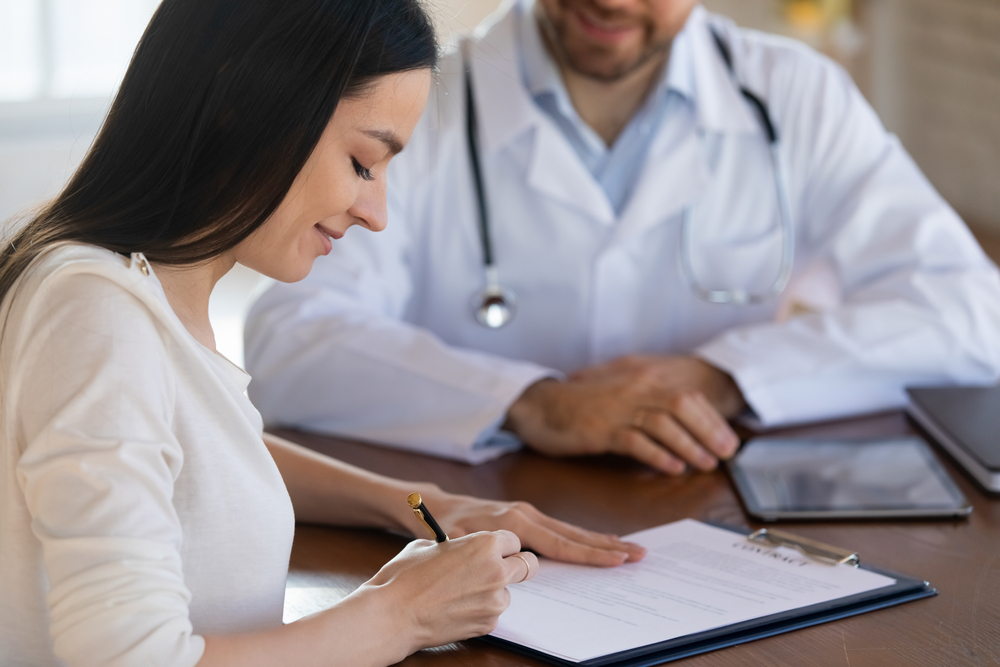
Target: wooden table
[[961, 626]]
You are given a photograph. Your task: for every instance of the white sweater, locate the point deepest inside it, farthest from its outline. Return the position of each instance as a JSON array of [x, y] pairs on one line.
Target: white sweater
[[139, 508]]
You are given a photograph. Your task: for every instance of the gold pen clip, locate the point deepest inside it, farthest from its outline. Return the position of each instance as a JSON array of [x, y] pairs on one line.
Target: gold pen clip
[[811, 548]]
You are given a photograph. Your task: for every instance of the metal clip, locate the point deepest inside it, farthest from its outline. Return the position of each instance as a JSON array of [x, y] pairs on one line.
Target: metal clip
[[143, 264], [811, 548]]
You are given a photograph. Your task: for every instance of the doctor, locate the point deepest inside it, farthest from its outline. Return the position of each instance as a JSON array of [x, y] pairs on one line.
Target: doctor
[[654, 264]]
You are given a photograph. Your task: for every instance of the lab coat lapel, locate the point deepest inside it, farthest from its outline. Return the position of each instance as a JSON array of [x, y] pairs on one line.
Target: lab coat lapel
[[557, 171], [506, 111], [676, 176], [673, 177]]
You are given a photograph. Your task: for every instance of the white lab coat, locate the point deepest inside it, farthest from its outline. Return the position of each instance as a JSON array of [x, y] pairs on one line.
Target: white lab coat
[[380, 341]]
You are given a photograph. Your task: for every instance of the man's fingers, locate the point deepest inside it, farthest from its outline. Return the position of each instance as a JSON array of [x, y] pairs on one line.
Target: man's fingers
[[664, 429], [520, 566], [635, 443], [700, 418]]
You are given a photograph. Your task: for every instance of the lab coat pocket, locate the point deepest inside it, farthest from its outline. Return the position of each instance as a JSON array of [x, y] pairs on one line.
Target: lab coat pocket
[[736, 257]]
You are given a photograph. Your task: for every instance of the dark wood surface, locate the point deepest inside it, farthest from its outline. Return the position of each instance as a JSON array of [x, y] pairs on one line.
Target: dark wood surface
[[960, 626]]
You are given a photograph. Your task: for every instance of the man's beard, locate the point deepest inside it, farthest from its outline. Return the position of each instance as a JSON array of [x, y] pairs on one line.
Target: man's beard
[[554, 41]]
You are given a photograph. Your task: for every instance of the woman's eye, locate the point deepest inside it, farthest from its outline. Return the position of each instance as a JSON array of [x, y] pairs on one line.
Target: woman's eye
[[362, 172]]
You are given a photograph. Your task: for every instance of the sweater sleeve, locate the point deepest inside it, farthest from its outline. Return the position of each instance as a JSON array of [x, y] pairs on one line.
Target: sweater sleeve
[[94, 388]]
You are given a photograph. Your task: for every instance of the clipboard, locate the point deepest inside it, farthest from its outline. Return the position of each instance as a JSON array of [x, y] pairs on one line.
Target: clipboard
[[906, 589]]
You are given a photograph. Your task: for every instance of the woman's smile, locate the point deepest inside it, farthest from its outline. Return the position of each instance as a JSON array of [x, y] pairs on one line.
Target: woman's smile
[[327, 236]]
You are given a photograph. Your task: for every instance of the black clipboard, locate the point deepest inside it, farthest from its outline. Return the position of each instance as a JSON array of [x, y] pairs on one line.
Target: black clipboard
[[906, 589]]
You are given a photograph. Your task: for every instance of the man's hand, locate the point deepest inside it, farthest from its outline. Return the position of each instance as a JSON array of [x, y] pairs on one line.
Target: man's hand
[[666, 411]]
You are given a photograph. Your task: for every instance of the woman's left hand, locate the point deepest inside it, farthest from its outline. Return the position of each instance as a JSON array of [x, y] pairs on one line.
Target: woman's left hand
[[461, 515]]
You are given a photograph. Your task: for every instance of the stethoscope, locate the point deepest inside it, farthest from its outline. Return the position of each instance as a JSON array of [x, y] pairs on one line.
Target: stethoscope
[[496, 305]]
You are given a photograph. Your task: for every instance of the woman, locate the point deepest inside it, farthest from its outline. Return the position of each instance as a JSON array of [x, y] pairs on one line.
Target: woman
[[143, 519]]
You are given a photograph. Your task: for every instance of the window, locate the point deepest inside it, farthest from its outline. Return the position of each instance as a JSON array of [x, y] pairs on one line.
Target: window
[[59, 49]]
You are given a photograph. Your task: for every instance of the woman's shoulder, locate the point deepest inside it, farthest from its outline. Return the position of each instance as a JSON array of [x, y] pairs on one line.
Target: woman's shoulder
[[87, 282], [82, 317], [62, 260], [80, 266]]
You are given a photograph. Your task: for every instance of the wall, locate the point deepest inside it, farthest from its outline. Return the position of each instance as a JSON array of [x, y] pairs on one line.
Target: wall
[[936, 83], [40, 145], [459, 16]]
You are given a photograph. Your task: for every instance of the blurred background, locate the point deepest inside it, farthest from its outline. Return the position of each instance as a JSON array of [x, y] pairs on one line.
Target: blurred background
[[930, 68]]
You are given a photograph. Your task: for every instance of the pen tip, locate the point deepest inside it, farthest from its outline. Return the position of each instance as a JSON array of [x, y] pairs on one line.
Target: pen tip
[[414, 500]]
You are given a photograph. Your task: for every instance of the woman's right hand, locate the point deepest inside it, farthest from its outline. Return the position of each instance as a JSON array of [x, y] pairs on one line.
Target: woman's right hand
[[428, 595], [454, 590]]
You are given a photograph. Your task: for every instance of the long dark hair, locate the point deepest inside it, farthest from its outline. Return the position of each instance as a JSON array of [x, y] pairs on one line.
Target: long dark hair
[[220, 108]]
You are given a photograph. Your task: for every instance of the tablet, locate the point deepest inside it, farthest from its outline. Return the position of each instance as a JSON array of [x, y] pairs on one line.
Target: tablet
[[798, 478]]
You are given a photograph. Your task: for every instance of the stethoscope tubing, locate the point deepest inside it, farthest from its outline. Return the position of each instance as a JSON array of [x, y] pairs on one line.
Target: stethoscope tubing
[[495, 306], [472, 137]]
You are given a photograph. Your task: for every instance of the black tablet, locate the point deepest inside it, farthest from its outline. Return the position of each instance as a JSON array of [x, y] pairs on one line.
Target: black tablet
[[799, 478]]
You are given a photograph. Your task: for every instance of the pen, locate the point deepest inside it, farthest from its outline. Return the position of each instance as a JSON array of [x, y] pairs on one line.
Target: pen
[[417, 503]]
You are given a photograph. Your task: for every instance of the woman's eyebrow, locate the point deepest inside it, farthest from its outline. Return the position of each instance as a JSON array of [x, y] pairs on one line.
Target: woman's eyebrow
[[388, 138]]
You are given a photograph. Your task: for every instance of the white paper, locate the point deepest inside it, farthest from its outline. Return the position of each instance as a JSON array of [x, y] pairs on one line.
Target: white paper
[[695, 577]]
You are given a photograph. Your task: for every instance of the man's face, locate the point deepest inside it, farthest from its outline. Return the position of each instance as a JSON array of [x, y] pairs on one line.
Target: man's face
[[608, 39]]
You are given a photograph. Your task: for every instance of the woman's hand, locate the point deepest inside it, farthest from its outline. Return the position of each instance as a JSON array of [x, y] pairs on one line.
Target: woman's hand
[[440, 593], [324, 490], [428, 595], [461, 515]]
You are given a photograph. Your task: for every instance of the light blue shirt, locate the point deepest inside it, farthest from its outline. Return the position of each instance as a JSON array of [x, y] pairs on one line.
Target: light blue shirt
[[615, 168]]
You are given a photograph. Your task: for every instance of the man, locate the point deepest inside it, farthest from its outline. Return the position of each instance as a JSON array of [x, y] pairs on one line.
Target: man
[[627, 183]]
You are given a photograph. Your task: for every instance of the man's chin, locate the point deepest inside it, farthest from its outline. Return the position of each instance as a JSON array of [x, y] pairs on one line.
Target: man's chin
[[605, 69], [608, 65], [600, 71]]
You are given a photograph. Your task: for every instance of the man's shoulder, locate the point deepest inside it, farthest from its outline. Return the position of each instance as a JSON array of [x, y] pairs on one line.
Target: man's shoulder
[[766, 59], [794, 79]]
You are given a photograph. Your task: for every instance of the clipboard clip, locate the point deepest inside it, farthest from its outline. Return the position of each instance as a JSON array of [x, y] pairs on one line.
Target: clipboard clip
[[807, 547]]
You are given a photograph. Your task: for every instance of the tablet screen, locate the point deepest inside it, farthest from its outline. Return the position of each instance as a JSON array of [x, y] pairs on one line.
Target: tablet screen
[[799, 478]]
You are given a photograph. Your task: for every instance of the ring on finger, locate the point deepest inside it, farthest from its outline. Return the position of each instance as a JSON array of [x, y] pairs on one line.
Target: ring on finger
[[525, 561], [639, 418]]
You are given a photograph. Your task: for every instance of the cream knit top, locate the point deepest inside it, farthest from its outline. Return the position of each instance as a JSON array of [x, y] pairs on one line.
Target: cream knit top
[[139, 508]]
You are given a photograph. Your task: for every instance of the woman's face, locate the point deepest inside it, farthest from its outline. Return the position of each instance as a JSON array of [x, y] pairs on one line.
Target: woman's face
[[343, 182]]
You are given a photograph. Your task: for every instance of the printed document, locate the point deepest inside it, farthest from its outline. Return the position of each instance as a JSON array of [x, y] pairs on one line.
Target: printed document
[[694, 578]]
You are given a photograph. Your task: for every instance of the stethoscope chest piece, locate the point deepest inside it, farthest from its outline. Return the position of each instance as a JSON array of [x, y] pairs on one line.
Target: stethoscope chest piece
[[495, 306]]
